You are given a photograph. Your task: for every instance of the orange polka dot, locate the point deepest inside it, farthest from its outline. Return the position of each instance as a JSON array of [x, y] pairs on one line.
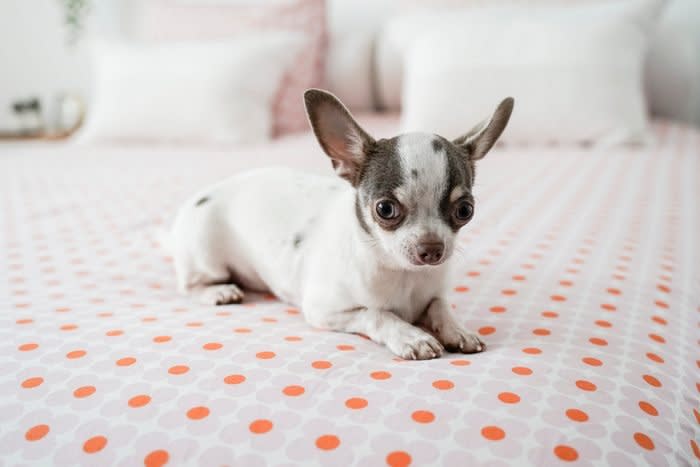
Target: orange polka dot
[[566, 283], [566, 453], [139, 401], [345, 347], [32, 382], [519, 277], [94, 444], [521, 370], [497, 309], [24, 321], [292, 338], [558, 298], [663, 288], [487, 330], [75, 354], [657, 338], [356, 403], [696, 449], [541, 332], [242, 330], [598, 341], [212, 346], [659, 320], [443, 384], [321, 364], [178, 369], [36, 432], [509, 398], [586, 385], [161, 339], [652, 381], [532, 350], [509, 292], [461, 288], [293, 390], [603, 324], [27, 347], [577, 415], [460, 362], [398, 459], [126, 361], [380, 375], [423, 416], [550, 314], [648, 408], [84, 391], [157, 458], [614, 291], [234, 379], [654, 357], [327, 442], [661, 304], [592, 361], [608, 307], [198, 413], [260, 426], [265, 355], [644, 441], [493, 433]]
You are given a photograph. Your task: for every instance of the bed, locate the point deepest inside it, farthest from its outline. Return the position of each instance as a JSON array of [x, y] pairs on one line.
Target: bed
[[581, 271]]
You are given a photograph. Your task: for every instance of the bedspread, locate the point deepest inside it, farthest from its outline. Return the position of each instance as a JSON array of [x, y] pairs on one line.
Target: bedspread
[[581, 272]]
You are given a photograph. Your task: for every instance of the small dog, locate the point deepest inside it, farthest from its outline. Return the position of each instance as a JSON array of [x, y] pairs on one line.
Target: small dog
[[367, 254]]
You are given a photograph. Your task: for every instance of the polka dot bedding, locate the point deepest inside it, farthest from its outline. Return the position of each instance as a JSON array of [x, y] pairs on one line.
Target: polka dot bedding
[[581, 271]]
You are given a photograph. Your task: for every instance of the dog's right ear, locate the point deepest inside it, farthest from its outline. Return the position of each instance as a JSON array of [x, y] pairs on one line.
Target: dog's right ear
[[339, 135]]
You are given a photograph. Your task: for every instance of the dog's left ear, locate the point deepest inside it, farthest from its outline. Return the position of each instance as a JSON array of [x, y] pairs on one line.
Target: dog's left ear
[[480, 139], [339, 135]]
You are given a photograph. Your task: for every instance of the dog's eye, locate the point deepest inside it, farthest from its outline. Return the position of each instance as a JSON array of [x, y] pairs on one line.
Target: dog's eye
[[388, 209], [463, 212]]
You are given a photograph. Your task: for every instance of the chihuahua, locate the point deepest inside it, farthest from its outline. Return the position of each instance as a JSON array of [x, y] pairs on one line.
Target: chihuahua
[[367, 254]]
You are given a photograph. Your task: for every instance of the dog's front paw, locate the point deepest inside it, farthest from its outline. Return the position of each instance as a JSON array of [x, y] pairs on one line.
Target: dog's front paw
[[459, 340], [223, 294], [416, 345]]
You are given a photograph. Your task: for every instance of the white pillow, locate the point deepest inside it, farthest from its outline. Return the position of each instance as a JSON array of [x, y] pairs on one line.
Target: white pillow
[[194, 92], [575, 73]]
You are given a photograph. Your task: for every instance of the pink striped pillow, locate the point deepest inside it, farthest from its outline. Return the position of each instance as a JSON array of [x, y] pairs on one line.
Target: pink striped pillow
[[164, 20]]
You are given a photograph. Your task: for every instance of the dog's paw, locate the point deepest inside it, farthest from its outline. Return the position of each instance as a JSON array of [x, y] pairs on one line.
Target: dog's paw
[[223, 294], [417, 345], [459, 340]]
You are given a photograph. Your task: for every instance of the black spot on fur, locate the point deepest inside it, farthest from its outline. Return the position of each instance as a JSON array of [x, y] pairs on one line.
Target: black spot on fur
[[298, 240], [414, 173], [202, 201], [360, 217], [460, 172], [437, 145]]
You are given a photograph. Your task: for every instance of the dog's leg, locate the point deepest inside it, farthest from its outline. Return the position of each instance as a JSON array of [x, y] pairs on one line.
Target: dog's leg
[[209, 289], [384, 327], [219, 294], [439, 320]]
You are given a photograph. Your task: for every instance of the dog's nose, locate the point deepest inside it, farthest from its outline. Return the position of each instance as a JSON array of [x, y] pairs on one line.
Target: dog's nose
[[430, 252]]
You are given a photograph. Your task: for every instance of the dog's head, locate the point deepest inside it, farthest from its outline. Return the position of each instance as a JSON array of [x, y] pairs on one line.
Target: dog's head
[[413, 190]]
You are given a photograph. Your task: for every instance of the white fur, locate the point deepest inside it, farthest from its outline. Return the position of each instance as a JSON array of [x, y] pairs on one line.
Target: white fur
[[343, 278]]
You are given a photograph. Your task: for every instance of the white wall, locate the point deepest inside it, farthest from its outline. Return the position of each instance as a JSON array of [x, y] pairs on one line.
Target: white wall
[[35, 59]]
